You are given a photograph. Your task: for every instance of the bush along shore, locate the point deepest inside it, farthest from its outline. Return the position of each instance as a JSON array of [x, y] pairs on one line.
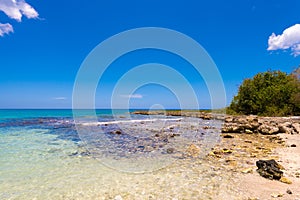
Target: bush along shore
[[254, 144]]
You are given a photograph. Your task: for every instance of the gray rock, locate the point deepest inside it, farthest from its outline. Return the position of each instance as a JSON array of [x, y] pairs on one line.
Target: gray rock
[[268, 129], [296, 127], [285, 128], [263, 125], [229, 119]]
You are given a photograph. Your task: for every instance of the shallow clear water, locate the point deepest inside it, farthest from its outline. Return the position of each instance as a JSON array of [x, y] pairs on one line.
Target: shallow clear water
[[34, 113], [43, 157]]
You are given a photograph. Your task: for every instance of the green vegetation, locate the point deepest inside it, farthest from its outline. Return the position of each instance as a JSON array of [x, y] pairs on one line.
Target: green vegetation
[[271, 93]]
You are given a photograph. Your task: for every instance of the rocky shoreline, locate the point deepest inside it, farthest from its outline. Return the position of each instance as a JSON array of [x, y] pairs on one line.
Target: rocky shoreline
[[186, 113], [263, 125], [240, 123], [247, 147]]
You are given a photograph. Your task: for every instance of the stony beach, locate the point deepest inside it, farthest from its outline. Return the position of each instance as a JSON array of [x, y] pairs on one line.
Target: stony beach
[[246, 140]]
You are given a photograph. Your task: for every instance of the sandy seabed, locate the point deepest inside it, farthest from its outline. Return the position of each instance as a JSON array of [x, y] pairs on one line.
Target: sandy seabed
[[228, 171]]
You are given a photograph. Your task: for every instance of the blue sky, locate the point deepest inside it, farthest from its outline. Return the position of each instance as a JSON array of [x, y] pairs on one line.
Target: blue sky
[[41, 51]]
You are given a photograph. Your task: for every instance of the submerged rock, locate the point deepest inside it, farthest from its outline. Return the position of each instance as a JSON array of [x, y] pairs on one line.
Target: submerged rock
[[193, 150], [117, 132], [269, 169], [170, 150]]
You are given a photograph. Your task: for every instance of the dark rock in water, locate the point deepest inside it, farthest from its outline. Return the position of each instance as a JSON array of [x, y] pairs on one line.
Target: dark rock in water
[[80, 153], [74, 153], [166, 140], [170, 150], [141, 147], [174, 134], [85, 153], [118, 132], [207, 127], [269, 169]]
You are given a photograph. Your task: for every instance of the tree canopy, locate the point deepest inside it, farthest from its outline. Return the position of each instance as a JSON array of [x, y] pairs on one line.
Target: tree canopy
[[271, 93]]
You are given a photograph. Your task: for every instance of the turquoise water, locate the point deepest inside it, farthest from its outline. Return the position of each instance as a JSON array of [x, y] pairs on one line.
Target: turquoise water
[[43, 156], [35, 113]]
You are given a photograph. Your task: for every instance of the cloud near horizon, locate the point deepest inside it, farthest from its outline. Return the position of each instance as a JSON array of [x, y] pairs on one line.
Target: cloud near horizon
[[59, 98], [5, 29], [289, 39], [133, 96], [15, 9]]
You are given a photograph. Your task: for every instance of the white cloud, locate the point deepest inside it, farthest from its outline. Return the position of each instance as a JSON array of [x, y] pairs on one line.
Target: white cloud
[[133, 96], [296, 49], [289, 39], [5, 29], [15, 9], [59, 98]]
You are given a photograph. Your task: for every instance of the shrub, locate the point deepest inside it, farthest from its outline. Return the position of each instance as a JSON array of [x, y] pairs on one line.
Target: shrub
[[271, 93]]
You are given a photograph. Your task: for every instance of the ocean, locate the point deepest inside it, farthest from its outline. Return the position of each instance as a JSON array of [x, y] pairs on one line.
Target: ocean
[[44, 154]]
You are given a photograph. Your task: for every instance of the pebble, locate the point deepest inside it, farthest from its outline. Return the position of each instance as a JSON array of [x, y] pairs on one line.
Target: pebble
[[248, 131], [285, 180], [293, 145], [276, 195], [289, 191], [248, 170], [227, 151], [170, 150], [118, 197]]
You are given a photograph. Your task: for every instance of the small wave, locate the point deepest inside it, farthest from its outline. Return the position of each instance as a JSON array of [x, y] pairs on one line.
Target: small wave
[[127, 121]]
